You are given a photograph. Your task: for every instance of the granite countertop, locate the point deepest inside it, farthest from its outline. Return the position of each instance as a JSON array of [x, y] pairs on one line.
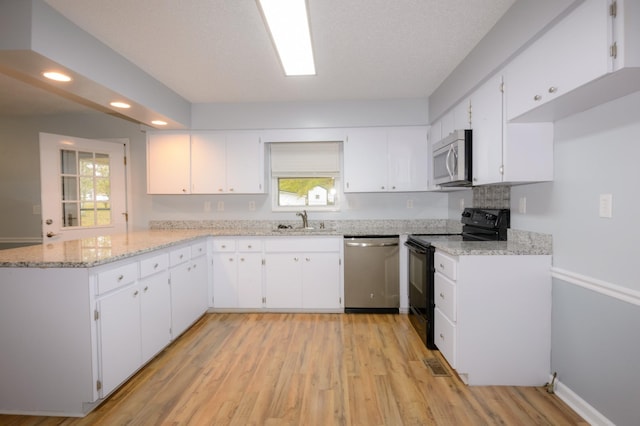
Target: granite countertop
[[95, 251]]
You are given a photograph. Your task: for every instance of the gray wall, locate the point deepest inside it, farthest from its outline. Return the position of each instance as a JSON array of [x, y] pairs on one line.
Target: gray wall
[[20, 164], [20, 171], [595, 345]]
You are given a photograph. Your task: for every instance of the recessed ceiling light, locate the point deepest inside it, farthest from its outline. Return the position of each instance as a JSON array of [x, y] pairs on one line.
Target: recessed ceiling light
[[120, 104], [159, 122], [288, 24], [56, 76]]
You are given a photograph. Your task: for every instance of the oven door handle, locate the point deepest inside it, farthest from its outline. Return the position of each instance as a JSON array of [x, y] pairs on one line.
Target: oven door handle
[[416, 249]]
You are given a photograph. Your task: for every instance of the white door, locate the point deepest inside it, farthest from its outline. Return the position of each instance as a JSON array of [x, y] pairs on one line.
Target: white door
[[83, 184]]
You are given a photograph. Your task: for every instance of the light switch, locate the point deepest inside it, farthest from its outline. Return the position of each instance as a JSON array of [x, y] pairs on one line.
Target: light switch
[[606, 205]]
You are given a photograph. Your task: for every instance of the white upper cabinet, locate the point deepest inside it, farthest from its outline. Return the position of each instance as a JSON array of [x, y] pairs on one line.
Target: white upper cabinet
[[386, 159], [168, 163], [227, 163], [205, 163], [487, 125], [507, 152], [582, 61]]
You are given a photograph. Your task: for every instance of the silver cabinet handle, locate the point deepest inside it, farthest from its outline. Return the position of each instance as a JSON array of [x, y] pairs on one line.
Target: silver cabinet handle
[[146, 289], [442, 295], [155, 266], [50, 234], [537, 98], [553, 89], [121, 277], [135, 293], [441, 266], [295, 259], [442, 336]]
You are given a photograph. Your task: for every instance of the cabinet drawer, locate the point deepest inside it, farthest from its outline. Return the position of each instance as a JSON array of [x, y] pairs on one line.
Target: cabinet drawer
[[198, 249], [445, 337], [445, 296], [302, 244], [250, 245], [117, 277], [179, 255], [446, 265], [154, 264], [224, 245]]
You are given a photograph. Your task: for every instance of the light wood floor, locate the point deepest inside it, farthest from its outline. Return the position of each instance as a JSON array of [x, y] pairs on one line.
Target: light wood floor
[[308, 369]]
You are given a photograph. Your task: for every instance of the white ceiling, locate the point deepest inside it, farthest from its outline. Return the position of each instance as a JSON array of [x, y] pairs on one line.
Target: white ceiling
[[219, 50]]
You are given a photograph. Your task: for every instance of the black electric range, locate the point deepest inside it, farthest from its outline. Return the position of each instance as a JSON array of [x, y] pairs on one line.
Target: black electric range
[[478, 224]]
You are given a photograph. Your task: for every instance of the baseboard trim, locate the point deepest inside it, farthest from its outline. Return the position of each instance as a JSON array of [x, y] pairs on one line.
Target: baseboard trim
[[603, 287], [580, 406]]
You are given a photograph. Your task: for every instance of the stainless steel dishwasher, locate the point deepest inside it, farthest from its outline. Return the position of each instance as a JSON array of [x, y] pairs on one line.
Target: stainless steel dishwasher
[[371, 274]]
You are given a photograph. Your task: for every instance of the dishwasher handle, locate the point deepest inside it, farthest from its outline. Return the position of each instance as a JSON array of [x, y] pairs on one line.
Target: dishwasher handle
[[353, 244]]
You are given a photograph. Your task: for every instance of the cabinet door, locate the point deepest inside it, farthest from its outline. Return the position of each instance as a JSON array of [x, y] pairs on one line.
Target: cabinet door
[[365, 160], [321, 280], [572, 53], [188, 294], [225, 280], [245, 163], [487, 124], [155, 314], [408, 163], [168, 163], [283, 280], [120, 347], [208, 163], [249, 280]]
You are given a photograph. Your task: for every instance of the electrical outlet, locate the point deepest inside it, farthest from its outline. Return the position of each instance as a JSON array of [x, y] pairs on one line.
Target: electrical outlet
[[409, 204], [606, 205], [220, 206], [252, 206], [207, 206], [522, 205]]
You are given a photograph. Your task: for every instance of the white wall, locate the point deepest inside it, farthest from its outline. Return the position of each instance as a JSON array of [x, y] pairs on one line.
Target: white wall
[[595, 348]]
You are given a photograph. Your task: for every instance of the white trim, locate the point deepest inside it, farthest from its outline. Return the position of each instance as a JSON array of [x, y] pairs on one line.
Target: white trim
[[579, 405], [20, 240], [608, 289]]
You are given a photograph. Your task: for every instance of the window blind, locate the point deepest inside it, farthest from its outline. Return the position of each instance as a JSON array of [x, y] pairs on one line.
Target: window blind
[[305, 158]]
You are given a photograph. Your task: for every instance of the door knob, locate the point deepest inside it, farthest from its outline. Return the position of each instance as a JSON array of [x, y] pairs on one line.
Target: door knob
[[48, 221]]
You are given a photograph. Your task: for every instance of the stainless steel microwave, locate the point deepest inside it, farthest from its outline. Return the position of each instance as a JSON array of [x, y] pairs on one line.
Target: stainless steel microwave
[[452, 159]]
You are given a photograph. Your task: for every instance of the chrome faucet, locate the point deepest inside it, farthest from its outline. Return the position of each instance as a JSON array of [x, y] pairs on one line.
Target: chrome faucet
[[303, 215]]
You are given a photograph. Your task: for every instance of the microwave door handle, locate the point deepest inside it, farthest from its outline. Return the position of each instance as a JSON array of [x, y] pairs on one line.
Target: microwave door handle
[[447, 162], [454, 163]]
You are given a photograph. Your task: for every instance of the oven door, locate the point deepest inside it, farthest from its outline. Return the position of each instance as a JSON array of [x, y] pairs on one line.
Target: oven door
[[421, 303]]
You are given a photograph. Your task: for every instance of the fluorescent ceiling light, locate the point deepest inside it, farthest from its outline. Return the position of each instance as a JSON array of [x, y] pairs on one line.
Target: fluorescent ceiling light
[[120, 105], [56, 76], [159, 122], [288, 23]]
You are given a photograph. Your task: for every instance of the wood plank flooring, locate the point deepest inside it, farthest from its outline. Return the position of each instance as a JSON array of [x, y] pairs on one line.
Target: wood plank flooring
[[308, 369]]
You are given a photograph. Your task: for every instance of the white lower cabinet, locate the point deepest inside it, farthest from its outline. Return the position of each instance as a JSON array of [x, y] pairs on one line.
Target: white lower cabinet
[[237, 273], [189, 288], [493, 317], [155, 314], [120, 336], [303, 273]]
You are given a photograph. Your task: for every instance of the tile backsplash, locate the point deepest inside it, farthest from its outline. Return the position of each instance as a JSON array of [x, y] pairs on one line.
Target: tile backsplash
[[495, 197]]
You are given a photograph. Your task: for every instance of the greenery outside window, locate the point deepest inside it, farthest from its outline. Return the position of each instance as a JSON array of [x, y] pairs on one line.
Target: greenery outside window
[[305, 175]]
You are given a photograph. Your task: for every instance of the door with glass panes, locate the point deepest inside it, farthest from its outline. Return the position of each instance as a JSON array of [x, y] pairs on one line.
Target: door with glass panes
[[83, 184]]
